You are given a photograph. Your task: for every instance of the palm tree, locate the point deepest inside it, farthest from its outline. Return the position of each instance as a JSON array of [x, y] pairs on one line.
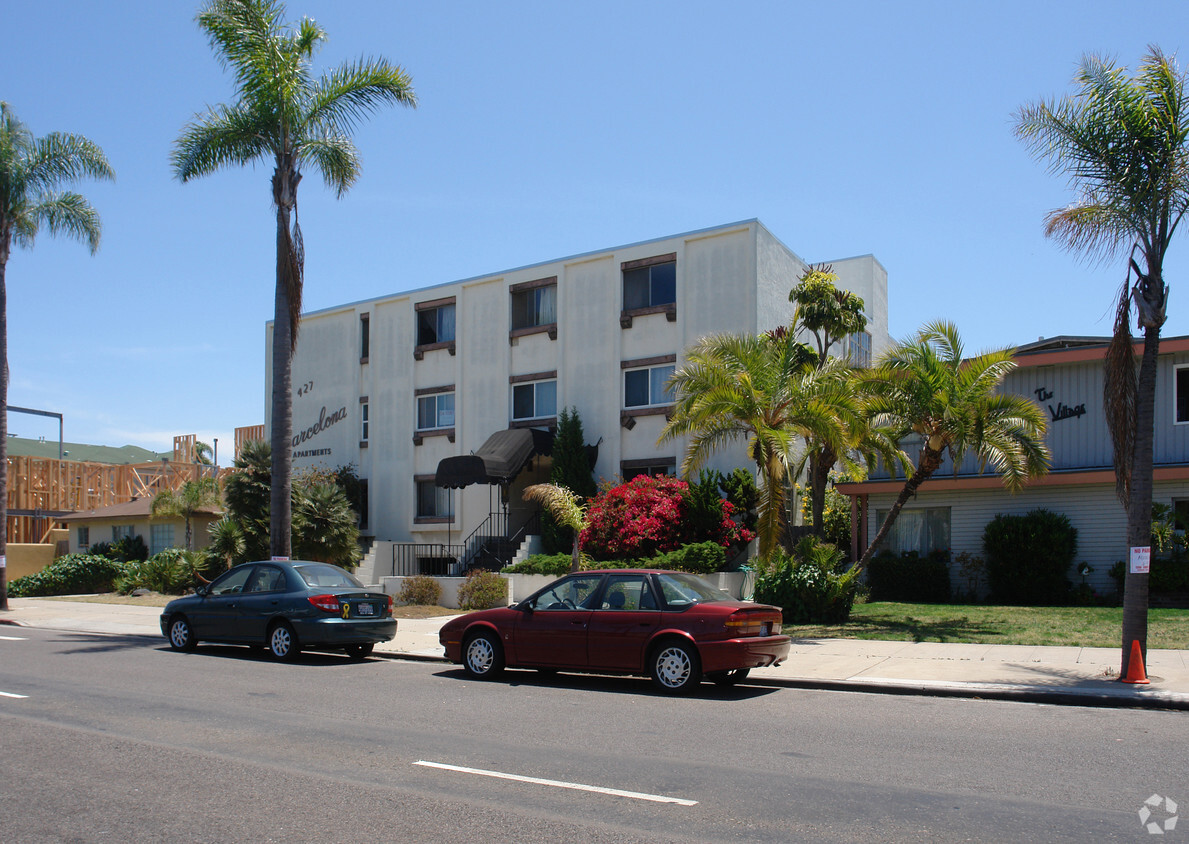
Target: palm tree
[[767, 390], [285, 115], [324, 525], [923, 387], [567, 510], [185, 502], [32, 173], [1122, 140]]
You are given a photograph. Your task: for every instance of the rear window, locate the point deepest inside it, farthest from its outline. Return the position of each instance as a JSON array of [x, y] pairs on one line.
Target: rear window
[[327, 575], [682, 590]]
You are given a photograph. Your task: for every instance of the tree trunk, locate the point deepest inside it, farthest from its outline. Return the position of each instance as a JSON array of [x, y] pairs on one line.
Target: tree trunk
[[280, 501], [1139, 504], [927, 463], [820, 464], [576, 561]]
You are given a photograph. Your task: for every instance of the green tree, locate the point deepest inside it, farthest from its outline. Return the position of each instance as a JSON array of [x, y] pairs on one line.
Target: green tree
[[247, 495], [33, 173], [571, 469], [566, 508], [284, 115], [922, 387], [190, 498], [325, 528], [766, 390], [226, 546], [1122, 142]]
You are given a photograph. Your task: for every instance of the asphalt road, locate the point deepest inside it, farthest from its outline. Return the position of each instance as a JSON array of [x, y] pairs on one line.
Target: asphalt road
[[120, 739]]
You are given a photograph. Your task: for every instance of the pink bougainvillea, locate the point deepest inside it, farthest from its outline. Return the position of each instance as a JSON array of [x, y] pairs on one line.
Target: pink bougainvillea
[[646, 516]]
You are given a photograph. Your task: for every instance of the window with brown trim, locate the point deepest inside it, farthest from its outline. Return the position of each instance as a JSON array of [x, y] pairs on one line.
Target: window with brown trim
[[649, 287], [435, 326], [534, 307]]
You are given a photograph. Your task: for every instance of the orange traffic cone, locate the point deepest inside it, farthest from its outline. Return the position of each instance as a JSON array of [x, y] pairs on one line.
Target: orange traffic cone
[[1135, 666]]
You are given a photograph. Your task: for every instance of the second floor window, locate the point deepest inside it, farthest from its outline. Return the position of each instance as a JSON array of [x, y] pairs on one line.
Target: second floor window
[[534, 400], [648, 287], [435, 411], [435, 325], [646, 387], [1182, 394], [534, 307], [363, 424], [433, 502]]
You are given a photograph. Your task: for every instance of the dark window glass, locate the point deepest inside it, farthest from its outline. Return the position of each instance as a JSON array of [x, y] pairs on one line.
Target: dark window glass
[[1183, 394], [365, 336], [435, 325], [522, 401], [635, 289], [635, 388], [664, 284]]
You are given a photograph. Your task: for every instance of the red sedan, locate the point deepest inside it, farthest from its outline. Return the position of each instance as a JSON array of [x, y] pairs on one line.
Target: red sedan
[[671, 626]]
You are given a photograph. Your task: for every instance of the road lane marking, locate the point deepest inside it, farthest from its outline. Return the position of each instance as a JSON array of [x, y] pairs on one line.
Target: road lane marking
[[597, 789], [14, 638], [10, 694]]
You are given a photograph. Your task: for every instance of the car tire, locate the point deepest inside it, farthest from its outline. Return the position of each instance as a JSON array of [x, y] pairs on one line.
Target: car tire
[[675, 667], [359, 651], [282, 642], [482, 656], [729, 678], [181, 634]]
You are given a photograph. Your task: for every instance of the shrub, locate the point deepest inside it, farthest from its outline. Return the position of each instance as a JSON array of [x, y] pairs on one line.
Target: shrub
[[420, 590], [170, 572], [1167, 574], [129, 549], [552, 564], [69, 575], [909, 577], [698, 558], [807, 585], [1029, 557], [482, 590]]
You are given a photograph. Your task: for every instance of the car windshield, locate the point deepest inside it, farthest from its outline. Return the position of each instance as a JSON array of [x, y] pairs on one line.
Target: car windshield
[[683, 590], [323, 574]]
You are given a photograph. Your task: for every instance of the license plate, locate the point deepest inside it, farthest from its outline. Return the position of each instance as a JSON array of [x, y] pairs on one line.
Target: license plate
[[766, 628], [365, 609]]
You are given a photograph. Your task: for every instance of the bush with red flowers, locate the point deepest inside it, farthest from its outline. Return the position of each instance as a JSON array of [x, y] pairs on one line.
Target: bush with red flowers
[[650, 515]]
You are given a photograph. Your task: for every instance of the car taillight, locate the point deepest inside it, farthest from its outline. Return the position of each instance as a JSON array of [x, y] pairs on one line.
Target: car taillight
[[390, 605], [752, 624], [326, 603]]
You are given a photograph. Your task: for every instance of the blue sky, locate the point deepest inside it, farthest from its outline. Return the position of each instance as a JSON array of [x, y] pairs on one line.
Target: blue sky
[[547, 129]]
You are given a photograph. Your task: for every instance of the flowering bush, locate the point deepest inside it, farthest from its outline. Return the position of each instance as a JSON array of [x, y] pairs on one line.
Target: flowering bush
[[651, 515]]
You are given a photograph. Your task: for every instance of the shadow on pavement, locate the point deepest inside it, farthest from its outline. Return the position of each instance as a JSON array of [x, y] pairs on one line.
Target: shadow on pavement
[[602, 683]]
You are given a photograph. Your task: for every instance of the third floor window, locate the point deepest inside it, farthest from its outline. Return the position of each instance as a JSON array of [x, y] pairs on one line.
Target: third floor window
[[435, 325]]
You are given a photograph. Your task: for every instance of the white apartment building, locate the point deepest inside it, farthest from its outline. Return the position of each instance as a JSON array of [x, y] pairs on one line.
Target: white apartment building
[[400, 383]]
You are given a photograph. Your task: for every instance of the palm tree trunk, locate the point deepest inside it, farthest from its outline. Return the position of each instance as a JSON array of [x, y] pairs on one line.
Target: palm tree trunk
[[820, 464], [927, 463], [1139, 504], [4, 247], [280, 501], [576, 559]]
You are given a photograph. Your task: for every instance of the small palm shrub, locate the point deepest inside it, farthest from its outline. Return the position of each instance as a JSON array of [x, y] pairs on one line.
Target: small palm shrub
[[482, 590], [807, 585], [420, 590], [170, 572], [69, 575]]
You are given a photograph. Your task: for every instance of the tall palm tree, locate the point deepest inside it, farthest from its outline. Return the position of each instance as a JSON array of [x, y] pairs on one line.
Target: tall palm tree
[[768, 391], [1123, 142], [32, 174], [191, 498], [285, 115], [924, 387]]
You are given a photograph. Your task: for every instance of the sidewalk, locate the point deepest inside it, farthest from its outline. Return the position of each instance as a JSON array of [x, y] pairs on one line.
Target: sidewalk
[[1059, 675]]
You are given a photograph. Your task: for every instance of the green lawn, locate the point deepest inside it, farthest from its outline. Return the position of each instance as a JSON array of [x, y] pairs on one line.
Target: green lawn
[[1098, 627]]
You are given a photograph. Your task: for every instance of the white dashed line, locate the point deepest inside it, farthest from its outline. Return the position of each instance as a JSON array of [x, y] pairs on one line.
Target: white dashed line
[[14, 638], [10, 694], [614, 792]]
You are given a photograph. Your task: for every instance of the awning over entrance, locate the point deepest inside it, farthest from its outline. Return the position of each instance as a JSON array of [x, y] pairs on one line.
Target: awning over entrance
[[498, 460]]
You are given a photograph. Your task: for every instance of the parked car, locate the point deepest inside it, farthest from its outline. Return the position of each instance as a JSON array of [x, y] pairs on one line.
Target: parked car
[[284, 606], [671, 626]]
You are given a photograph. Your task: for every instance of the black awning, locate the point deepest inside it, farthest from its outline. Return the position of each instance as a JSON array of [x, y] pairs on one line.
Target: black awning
[[498, 460]]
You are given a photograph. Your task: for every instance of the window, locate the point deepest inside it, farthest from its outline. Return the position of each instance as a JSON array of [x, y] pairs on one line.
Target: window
[[266, 579], [923, 530], [232, 582], [650, 466], [435, 411], [1182, 394], [433, 502], [534, 304], [84, 538], [627, 593], [858, 349], [365, 337], [649, 286], [435, 322], [569, 594], [534, 400], [119, 532], [646, 387], [363, 422], [160, 538], [1180, 515]]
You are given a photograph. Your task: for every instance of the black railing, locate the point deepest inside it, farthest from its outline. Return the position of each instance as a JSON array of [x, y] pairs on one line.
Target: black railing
[[489, 546], [425, 558]]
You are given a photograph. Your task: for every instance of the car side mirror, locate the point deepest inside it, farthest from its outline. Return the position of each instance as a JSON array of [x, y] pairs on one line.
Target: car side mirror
[[203, 590]]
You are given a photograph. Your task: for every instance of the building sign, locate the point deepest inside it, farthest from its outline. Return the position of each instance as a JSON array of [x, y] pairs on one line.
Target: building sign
[[325, 420], [1062, 411]]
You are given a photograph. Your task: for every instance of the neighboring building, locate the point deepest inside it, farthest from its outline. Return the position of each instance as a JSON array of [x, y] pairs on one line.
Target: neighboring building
[[398, 384], [1065, 376], [133, 518]]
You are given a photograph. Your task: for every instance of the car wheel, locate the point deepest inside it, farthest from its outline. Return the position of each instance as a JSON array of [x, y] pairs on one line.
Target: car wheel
[[282, 642], [181, 634], [729, 678], [675, 667], [359, 651], [482, 656]]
